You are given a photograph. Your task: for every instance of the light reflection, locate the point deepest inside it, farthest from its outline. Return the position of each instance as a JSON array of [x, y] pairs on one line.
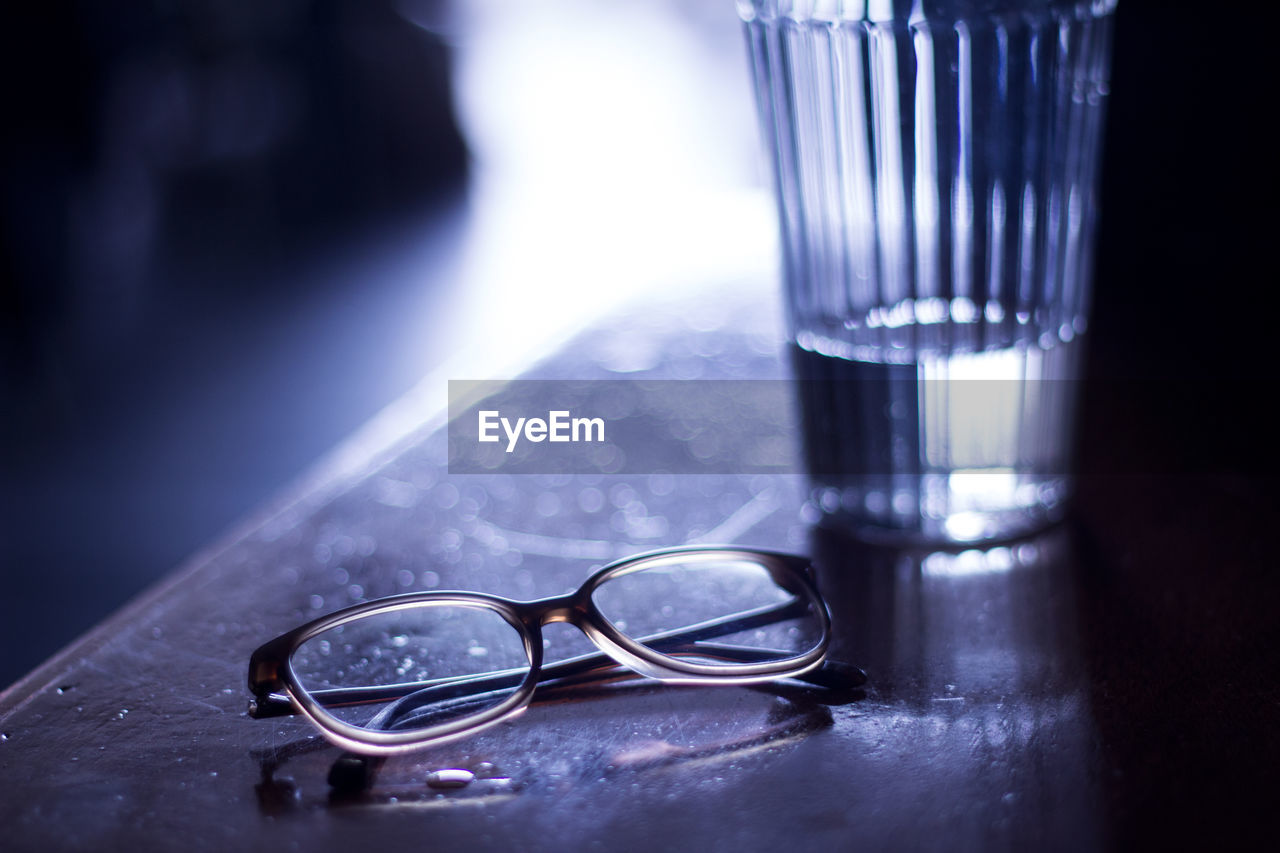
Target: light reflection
[[978, 689], [971, 562], [612, 110], [571, 110]]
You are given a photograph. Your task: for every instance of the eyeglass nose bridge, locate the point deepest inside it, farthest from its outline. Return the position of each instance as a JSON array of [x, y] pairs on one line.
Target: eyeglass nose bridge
[[573, 608]]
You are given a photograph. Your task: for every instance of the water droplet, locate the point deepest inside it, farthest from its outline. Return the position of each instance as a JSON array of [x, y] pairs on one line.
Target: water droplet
[[446, 495], [316, 602], [590, 500], [66, 688], [4, 736], [477, 651], [485, 770], [450, 778], [399, 641], [123, 713]]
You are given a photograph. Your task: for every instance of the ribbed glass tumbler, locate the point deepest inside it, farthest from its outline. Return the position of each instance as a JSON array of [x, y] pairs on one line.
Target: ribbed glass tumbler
[[936, 168]]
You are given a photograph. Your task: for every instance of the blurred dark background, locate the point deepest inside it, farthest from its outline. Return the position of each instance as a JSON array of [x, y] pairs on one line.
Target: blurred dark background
[[208, 209], [193, 193]]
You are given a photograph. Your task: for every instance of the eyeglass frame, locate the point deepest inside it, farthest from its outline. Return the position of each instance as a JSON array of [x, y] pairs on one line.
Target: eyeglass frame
[[277, 690]]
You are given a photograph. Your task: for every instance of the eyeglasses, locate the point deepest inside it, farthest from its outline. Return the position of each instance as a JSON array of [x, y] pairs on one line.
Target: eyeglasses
[[444, 665]]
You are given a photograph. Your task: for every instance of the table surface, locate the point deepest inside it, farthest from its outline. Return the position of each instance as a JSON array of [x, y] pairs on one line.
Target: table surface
[[1108, 682]]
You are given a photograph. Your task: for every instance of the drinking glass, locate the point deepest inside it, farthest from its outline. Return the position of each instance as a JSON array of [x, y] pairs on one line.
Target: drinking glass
[[936, 168]]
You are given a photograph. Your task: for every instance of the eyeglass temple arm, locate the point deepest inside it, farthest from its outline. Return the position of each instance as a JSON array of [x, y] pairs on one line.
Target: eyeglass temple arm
[[411, 710], [684, 641], [829, 674]]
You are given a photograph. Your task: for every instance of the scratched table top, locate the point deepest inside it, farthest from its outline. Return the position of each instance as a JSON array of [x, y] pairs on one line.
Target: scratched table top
[[1107, 682]]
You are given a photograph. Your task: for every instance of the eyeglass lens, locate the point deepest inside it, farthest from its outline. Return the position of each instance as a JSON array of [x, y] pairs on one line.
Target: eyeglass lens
[[444, 643], [672, 594]]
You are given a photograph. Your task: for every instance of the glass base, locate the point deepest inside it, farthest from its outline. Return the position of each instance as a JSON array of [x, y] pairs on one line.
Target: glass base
[[961, 507]]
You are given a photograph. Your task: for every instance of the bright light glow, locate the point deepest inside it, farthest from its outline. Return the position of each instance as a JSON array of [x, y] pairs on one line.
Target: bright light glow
[[616, 160], [971, 562]]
